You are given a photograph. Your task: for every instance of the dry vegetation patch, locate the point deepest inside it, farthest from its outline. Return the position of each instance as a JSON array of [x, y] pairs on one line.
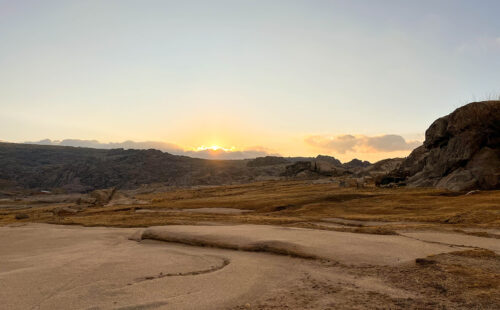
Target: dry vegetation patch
[[470, 278], [290, 203]]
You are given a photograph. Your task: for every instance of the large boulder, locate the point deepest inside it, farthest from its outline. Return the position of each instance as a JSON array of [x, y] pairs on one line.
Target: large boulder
[[380, 168], [299, 167], [461, 151], [329, 159]]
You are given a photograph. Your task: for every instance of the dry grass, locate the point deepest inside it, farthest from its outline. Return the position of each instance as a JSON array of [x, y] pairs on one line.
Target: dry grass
[[293, 203], [457, 280], [470, 278]]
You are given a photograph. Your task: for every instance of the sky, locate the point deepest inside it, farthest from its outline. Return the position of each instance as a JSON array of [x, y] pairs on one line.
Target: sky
[[350, 79]]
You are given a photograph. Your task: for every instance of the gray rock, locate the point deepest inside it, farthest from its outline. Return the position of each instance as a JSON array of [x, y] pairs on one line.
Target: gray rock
[[356, 163], [461, 152], [329, 159], [380, 168]]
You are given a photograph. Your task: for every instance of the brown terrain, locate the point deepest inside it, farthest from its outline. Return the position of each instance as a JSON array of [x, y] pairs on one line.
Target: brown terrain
[[282, 244], [129, 229]]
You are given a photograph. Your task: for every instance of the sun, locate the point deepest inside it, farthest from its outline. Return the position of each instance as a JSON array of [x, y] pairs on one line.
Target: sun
[[215, 147]]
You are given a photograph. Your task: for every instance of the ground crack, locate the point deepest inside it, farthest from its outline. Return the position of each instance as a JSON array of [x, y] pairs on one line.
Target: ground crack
[[452, 245], [224, 263]]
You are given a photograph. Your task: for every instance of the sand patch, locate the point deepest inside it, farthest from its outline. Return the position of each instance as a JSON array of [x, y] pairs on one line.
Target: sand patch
[[71, 267], [343, 247]]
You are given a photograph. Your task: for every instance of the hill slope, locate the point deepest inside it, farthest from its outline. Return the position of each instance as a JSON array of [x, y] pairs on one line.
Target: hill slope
[[83, 169]]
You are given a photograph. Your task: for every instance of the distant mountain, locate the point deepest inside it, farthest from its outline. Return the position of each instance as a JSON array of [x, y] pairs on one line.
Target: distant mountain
[[157, 145], [83, 169]]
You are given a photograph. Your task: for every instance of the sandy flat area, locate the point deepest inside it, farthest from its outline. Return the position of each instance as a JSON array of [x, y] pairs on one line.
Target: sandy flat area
[[344, 247], [492, 244], [70, 267], [46, 266]]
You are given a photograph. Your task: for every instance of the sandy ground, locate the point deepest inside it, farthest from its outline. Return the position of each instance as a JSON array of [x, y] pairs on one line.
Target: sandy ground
[[492, 244], [64, 267], [346, 248], [70, 267]]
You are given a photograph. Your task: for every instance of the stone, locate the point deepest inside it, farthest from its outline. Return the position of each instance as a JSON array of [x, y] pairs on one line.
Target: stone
[[461, 152]]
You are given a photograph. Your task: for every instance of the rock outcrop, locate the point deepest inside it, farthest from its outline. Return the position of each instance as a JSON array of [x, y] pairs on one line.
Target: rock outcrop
[[461, 152], [267, 161], [329, 159], [300, 168], [381, 168], [356, 163], [314, 169]]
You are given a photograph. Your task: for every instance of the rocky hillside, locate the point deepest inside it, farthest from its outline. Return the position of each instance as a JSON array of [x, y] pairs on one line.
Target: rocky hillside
[[267, 161], [461, 151], [76, 169], [83, 169]]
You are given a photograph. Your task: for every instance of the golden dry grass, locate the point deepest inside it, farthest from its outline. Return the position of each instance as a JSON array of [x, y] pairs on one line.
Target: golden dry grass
[[297, 203]]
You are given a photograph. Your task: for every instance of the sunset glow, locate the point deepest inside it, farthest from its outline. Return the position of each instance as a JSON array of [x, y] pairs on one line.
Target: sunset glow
[[355, 144], [321, 77], [215, 148]]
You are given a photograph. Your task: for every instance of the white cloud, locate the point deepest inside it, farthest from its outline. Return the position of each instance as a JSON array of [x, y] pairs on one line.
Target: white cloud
[[361, 144], [221, 154]]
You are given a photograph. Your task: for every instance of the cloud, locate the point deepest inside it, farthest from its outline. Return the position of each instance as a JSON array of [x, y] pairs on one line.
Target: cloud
[[162, 146], [361, 144], [221, 154], [252, 152]]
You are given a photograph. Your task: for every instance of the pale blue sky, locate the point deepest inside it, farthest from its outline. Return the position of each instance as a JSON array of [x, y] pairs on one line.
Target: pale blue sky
[[242, 73]]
